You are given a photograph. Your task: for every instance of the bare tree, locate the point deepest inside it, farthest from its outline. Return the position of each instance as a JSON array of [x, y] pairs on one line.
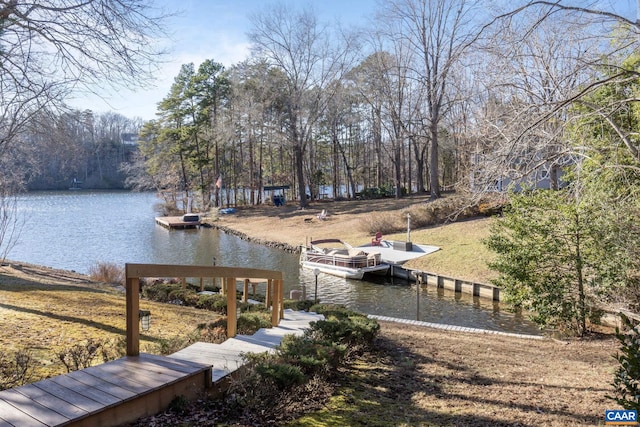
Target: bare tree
[[537, 64], [50, 49], [310, 58], [438, 32]]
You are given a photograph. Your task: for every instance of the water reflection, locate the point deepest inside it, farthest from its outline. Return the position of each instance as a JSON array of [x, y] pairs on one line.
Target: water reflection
[[75, 230]]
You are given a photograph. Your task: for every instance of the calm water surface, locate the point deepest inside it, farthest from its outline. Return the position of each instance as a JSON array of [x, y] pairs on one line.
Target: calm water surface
[[75, 230]]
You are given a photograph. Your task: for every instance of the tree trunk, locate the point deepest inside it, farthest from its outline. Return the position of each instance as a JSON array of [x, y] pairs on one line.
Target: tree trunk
[[433, 164]]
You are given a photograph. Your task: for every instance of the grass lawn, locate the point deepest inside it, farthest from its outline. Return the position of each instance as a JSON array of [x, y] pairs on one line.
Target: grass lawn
[[48, 311]]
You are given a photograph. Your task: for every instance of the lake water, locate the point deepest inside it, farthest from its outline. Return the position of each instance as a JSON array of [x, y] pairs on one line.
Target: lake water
[[75, 230]]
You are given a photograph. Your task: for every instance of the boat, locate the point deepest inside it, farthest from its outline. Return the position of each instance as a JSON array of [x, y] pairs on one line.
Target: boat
[[341, 259]]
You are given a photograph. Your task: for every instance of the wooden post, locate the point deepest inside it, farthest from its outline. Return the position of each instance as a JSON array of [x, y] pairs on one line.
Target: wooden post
[[184, 283], [275, 306], [268, 297], [232, 318], [245, 291], [133, 306], [281, 298], [201, 284]]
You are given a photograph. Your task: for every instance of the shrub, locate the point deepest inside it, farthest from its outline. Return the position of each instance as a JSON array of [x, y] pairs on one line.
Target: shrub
[[160, 291], [249, 323], [282, 375], [311, 354], [83, 355], [213, 332], [174, 344], [107, 272], [380, 221], [302, 305], [344, 326], [626, 382], [16, 369], [215, 302]]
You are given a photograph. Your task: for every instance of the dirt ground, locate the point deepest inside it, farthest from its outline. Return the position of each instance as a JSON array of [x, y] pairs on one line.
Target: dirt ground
[[293, 226]]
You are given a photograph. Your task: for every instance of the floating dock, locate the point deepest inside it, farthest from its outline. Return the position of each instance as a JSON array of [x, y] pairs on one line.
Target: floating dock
[[179, 222], [397, 253]]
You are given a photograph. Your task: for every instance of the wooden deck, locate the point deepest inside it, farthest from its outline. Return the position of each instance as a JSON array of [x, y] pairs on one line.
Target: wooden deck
[[176, 222], [104, 395], [126, 389]]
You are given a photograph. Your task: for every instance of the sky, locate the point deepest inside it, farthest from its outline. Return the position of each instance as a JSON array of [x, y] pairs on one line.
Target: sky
[[207, 29]]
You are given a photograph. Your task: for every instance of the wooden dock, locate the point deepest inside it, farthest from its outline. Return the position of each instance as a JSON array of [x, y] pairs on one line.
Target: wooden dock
[[177, 222], [126, 389]]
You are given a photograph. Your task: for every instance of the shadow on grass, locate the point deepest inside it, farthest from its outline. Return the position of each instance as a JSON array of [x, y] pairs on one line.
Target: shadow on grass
[[50, 315], [12, 284], [394, 386]]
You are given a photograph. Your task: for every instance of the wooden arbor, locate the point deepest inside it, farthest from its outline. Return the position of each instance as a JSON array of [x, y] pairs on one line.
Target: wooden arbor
[[228, 275]]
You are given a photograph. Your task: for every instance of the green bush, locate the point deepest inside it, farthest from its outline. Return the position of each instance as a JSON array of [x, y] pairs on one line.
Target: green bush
[[249, 323], [246, 307], [299, 305], [282, 375], [180, 295], [344, 326], [377, 192], [159, 291], [310, 354]]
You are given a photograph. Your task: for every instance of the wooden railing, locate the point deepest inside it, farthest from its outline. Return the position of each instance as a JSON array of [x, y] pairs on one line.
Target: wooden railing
[[228, 277]]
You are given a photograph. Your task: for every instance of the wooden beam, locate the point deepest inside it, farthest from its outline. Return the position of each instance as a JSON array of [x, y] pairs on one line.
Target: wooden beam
[[281, 298], [167, 270]]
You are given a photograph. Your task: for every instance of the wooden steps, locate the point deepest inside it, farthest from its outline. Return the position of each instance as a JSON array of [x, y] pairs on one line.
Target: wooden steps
[[227, 357]]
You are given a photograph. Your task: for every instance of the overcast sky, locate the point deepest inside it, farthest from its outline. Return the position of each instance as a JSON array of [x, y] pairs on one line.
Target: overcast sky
[[210, 29]]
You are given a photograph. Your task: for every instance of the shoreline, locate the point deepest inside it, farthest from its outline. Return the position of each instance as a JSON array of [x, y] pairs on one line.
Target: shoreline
[[268, 243]]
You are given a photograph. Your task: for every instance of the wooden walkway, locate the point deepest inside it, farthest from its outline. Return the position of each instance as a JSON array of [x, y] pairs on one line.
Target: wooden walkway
[[227, 357], [126, 389]]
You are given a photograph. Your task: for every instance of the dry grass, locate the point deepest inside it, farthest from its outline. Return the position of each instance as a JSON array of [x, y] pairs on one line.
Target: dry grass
[[48, 311], [426, 377]]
